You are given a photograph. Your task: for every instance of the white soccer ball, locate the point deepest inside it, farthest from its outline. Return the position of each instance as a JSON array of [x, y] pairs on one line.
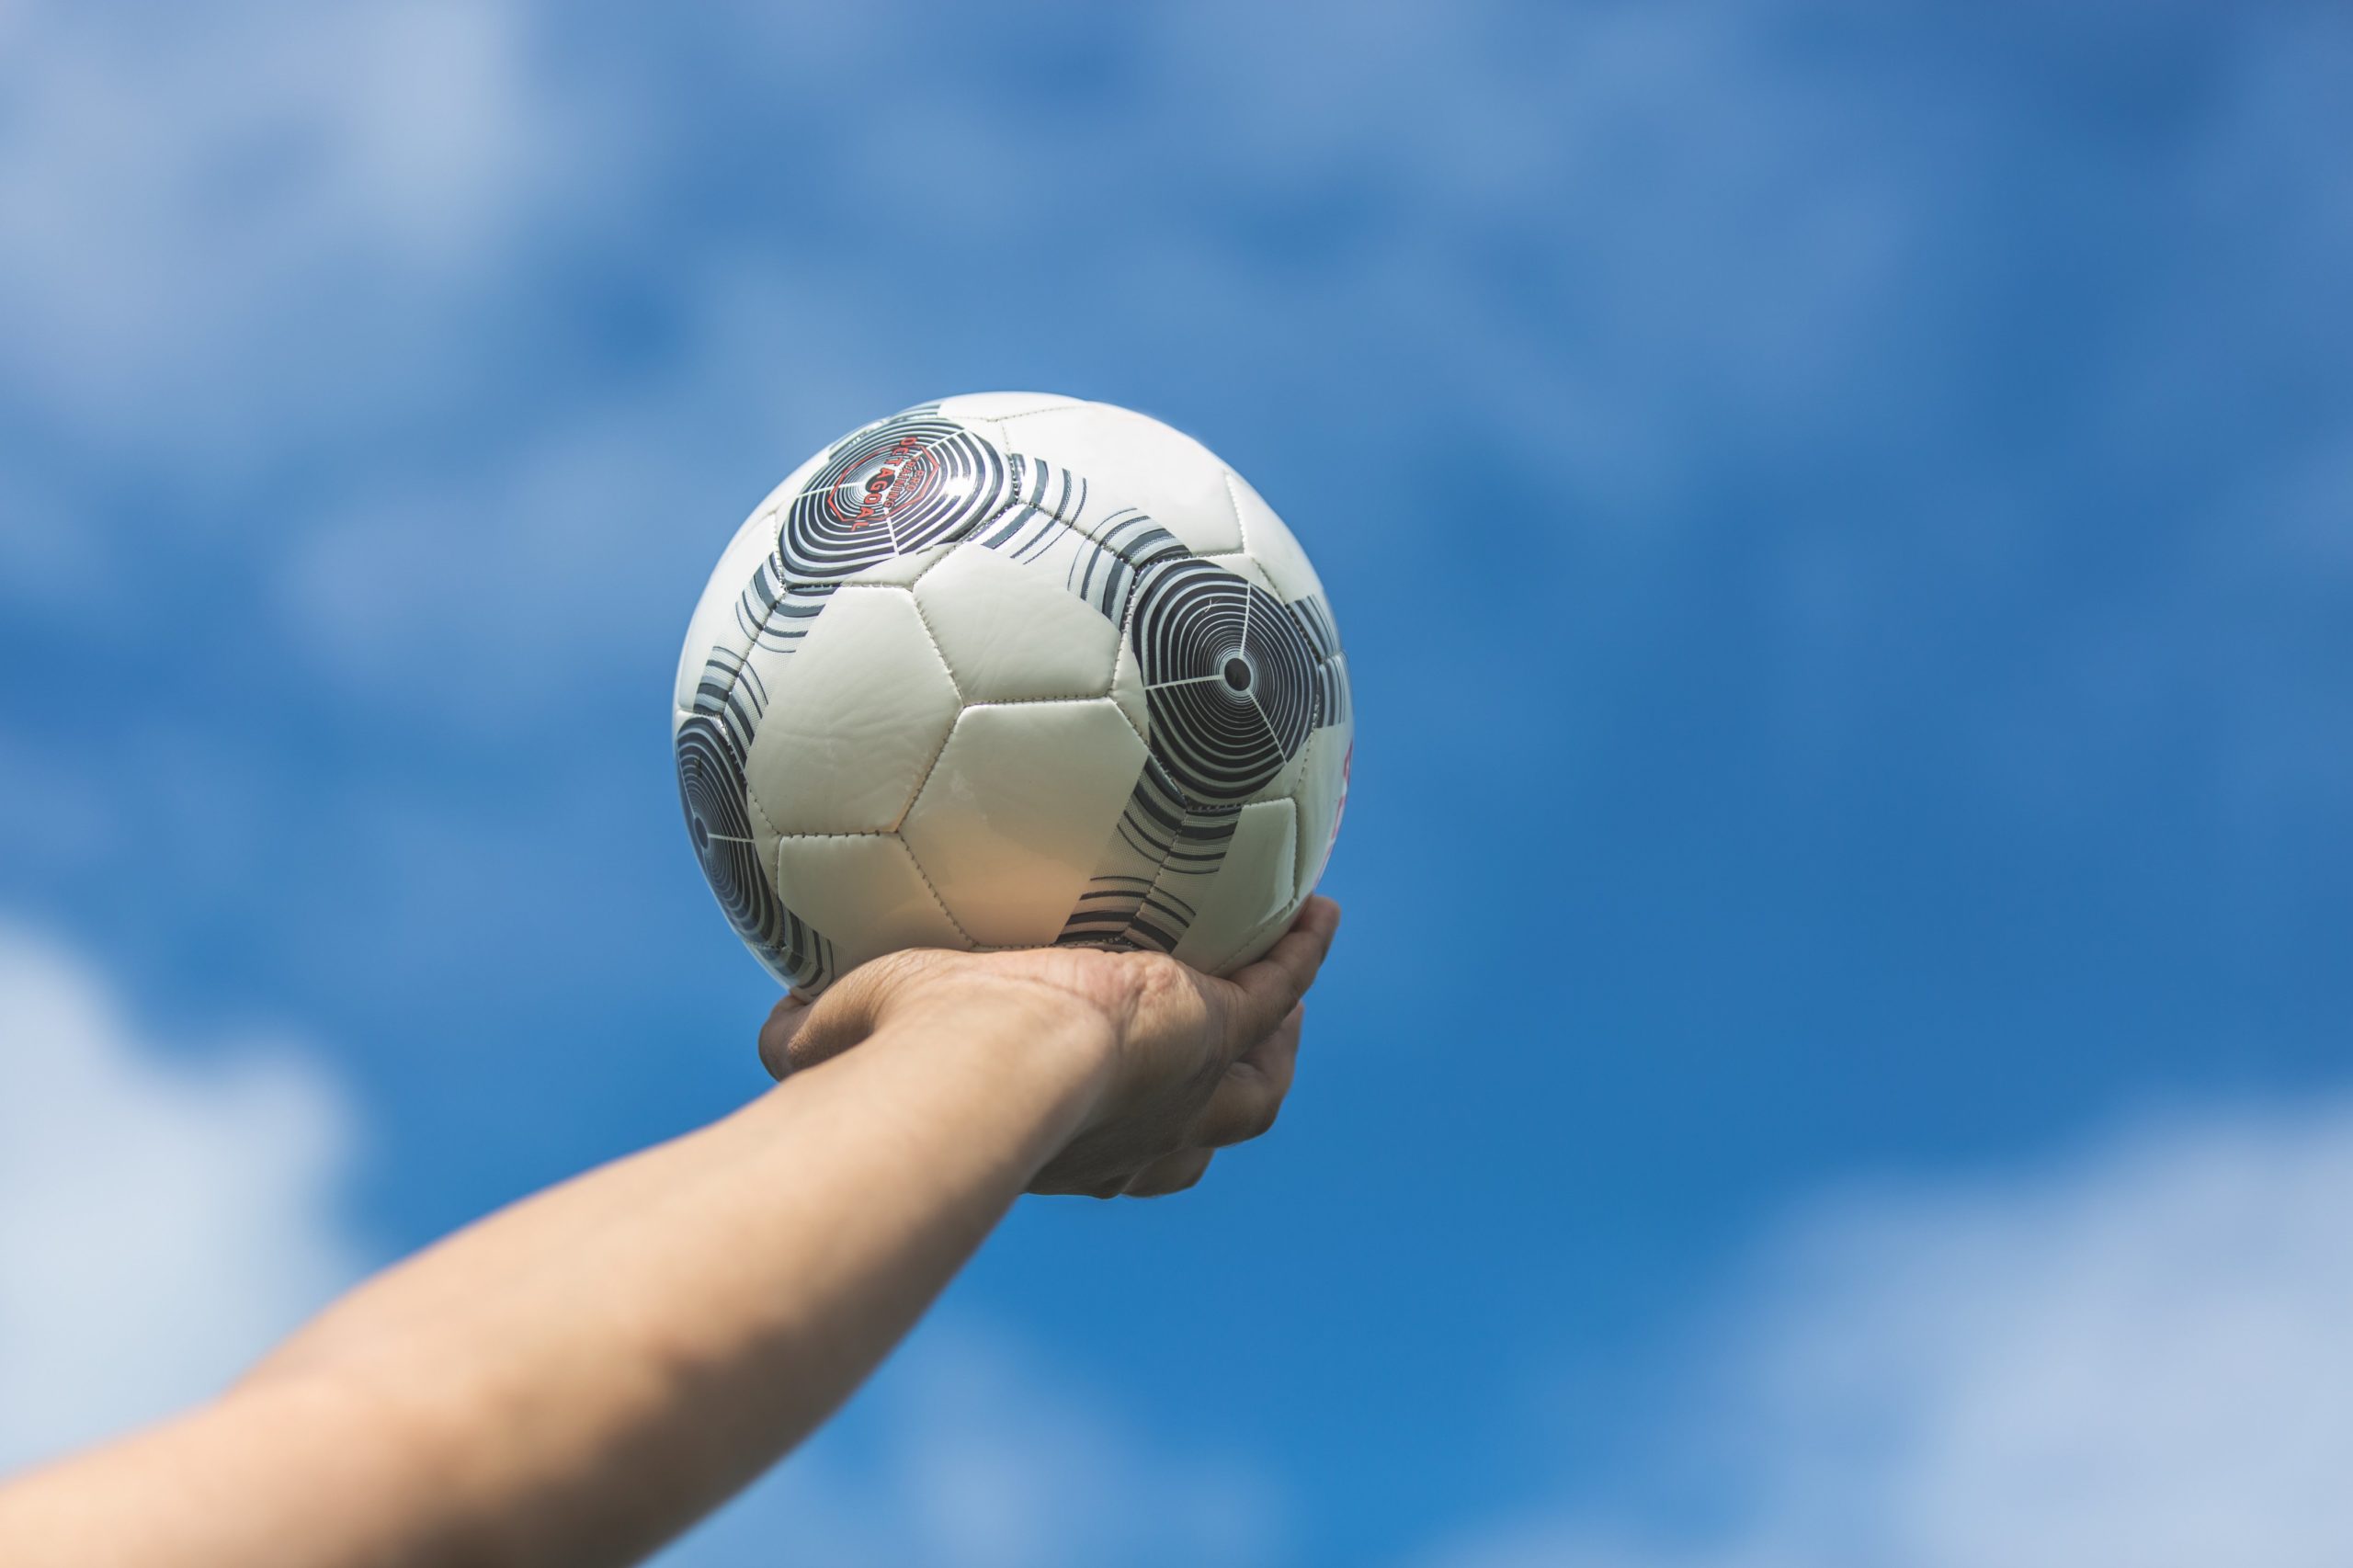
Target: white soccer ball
[[1004, 671]]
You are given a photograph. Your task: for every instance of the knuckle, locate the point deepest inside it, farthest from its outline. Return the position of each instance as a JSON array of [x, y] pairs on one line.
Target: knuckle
[[1159, 978]]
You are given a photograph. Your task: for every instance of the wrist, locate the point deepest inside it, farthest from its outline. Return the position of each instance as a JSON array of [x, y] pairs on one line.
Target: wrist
[[1007, 1014], [1017, 1029]]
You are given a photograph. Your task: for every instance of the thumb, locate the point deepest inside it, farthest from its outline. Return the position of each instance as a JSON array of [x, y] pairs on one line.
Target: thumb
[[801, 1033], [777, 1035]]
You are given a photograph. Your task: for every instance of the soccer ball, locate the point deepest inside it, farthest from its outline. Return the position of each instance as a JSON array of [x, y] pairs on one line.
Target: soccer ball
[[1004, 671]]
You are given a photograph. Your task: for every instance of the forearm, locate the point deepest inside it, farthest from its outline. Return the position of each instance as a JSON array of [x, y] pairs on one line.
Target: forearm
[[582, 1375]]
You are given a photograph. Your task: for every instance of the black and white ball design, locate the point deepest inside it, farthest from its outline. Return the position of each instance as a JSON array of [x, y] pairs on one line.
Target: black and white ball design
[[713, 794], [1113, 710], [1228, 675]]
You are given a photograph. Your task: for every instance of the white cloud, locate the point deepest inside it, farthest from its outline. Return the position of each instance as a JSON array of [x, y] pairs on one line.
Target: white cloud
[[969, 1452], [162, 1219], [187, 196], [232, 235], [2138, 1360]]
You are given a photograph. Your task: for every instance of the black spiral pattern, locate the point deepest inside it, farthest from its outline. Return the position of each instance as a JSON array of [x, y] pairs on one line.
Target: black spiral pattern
[[1229, 678], [712, 791], [914, 480]]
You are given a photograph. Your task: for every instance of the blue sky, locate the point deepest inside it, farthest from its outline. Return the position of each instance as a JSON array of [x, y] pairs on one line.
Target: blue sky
[[1842, 517]]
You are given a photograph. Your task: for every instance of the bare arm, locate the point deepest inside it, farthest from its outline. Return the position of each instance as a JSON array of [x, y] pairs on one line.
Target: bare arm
[[579, 1377]]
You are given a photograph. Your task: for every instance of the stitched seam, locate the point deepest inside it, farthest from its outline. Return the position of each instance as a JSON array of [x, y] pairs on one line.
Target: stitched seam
[[1050, 408], [1159, 875], [1103, 697], [1026, 701], [925, 777], [904, 848], [1298, 849], [944, 548], [931, 637], [1234, 499], [925, 782], [1143, 690], [752, 799], [945, 913], [1291, 905], [1257, 576]]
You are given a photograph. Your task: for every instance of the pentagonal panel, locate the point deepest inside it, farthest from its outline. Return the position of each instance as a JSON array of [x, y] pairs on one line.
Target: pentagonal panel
[[1322, 794], [1270, 544], [1127, 460], [1001, 405], [1012, 632], [1251, 885], [854, 717], [1016, 810], [863, 892]]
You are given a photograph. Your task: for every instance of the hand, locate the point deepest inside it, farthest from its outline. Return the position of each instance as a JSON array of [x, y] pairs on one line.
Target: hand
[[1186, 1062]]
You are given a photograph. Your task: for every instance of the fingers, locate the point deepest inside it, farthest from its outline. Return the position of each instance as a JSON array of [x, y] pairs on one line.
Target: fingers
[[1250, 1096], [1271, 987], [1174, 1174], [1244, 1104]]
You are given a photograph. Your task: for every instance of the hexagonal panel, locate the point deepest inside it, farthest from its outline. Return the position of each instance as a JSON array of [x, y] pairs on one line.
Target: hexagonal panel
[[854, 717], [1012, 632], [1251, 885], [864, 892], [1016, 810], [1129, 459]]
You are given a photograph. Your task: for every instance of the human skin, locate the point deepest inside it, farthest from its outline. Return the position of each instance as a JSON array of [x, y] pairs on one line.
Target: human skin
[[581, 1376]]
